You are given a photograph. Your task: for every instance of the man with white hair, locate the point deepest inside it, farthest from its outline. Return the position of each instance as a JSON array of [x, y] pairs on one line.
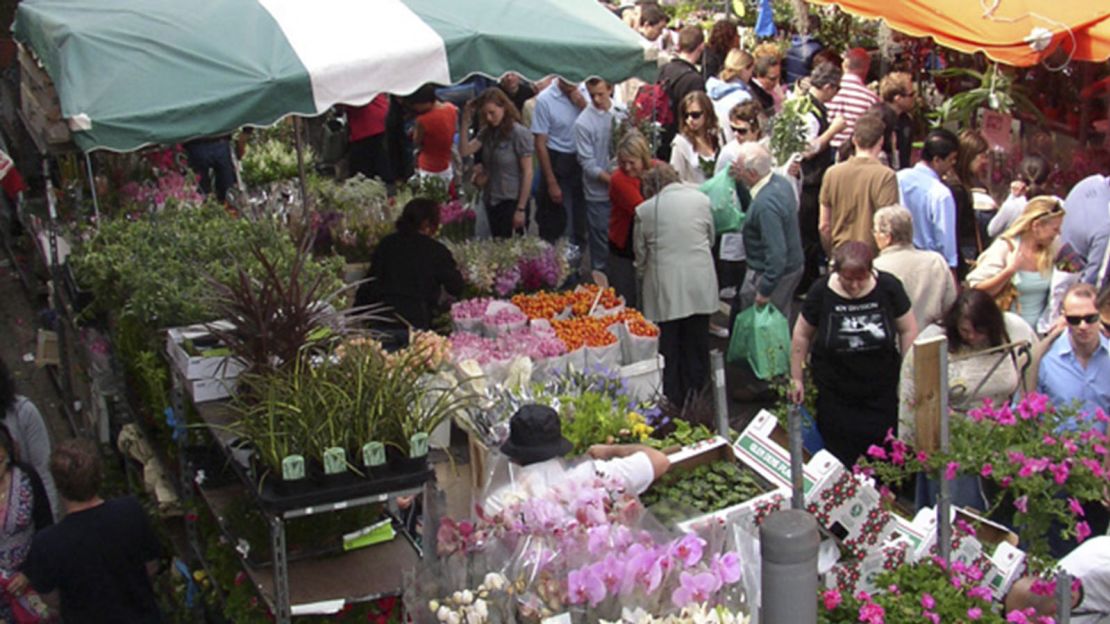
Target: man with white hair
[[924, 274], [771, 236]]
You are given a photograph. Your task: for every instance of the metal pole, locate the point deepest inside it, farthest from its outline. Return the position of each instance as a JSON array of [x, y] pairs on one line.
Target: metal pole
[[56, 278], [720, 400], [92, 187], [283, 612], [788, 542], [301, 170], [1063, 597], [944, 500], [798, 500]]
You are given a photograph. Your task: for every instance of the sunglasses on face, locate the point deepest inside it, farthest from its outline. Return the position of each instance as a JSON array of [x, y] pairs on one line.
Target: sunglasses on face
[[693, 114], [1074, 320], [741, 130]]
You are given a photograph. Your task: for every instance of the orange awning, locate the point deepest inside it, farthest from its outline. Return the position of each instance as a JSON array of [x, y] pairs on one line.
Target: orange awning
[[1015, 32]]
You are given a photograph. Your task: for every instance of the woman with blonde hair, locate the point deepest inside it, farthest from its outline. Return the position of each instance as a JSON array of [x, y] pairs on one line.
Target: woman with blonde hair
[[731, 88], [625, 193], [695, 147], [1017, 268]]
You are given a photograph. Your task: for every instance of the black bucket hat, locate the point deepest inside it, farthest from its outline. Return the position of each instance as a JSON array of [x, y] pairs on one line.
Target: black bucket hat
[[535, 435]]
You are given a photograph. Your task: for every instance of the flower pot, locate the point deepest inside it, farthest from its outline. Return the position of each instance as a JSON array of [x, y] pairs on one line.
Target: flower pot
[[401, 463]]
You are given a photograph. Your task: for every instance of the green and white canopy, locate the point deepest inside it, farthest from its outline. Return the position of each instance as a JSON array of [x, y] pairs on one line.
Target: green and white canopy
[[135, 72]]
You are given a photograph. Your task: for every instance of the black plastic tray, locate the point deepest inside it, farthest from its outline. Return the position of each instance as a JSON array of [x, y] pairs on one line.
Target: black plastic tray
[[274, 495]]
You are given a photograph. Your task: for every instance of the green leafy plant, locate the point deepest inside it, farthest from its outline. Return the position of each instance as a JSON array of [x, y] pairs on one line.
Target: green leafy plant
[[283, 312], [682, 494], [272, 160], [788, 129], [996, 91]]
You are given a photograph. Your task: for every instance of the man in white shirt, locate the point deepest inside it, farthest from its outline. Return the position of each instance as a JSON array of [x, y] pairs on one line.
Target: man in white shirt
[[1090, 564], [536, 447]]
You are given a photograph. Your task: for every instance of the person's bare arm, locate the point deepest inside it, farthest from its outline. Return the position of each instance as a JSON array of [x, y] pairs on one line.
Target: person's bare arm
[[547, 170], [907, 330], [799, 349], [526, 174], [824, 227]]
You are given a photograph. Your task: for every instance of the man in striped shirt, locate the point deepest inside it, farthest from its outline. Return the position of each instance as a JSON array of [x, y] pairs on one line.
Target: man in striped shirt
[[854, 98]]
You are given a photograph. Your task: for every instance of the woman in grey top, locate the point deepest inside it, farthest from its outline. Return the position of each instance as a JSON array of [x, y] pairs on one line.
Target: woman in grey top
[[506, 168], [28, 431]]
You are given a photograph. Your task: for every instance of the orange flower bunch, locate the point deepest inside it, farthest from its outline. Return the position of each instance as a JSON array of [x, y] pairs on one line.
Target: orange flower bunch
[[637, 325], [585, 331], [543, 304], [583, 297]]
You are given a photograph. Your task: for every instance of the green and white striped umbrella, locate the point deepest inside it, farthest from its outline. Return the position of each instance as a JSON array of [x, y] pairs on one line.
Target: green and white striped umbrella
[[131, 73]]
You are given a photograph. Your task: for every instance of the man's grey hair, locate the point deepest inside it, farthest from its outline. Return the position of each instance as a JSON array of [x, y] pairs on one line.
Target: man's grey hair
[[755, 158], [656, 178], [896, 222]]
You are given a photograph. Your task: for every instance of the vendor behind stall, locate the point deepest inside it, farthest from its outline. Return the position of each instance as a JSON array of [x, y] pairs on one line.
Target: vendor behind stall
[[409, 270], [536, 448]]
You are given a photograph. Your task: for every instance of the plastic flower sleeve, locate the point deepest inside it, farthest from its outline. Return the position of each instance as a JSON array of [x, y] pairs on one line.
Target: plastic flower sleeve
[[638, 347]]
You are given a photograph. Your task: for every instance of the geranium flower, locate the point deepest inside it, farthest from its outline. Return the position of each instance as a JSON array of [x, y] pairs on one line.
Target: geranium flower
[[831, 599], [872, 613]]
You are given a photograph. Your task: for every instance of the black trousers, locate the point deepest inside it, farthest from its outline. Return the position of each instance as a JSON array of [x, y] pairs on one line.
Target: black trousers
[[501, 218], [808, 212], [553, 219], [684, 344]]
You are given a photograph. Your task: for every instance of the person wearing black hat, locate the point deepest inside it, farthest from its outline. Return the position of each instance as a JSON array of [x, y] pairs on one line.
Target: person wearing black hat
[[536, 448]]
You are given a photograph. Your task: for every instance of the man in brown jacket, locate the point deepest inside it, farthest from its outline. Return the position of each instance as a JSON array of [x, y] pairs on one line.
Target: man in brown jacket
[[853, 190]]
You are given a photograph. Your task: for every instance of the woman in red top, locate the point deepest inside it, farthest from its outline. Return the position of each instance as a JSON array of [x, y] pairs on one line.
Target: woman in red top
[[633, 159], [433, 133]]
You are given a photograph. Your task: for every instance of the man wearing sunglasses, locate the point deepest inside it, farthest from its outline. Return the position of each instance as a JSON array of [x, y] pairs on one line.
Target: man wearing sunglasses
[[1077, 364]]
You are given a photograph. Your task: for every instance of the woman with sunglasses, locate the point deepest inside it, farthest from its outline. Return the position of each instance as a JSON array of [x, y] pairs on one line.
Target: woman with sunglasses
[[979, 367], [1017, 268], [695, 147], [731, 88]]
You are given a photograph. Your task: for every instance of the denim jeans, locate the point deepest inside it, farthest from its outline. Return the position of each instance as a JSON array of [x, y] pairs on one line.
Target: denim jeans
[[597, 216], [212, 158]]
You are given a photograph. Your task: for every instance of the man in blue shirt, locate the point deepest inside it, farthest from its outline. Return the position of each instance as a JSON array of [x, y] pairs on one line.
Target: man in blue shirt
[[1086, 224], [928, 199], [593, 134], [561, 207], [1076, 367]]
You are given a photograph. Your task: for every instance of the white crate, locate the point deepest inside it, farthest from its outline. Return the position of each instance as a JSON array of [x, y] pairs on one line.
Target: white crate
[[198, 367], [210, 389]]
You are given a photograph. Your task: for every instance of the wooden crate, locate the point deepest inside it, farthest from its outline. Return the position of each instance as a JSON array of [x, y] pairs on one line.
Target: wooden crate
[[40, 108]]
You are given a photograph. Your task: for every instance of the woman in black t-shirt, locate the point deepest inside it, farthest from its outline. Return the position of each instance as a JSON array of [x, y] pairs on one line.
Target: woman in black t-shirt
[[858, 322]]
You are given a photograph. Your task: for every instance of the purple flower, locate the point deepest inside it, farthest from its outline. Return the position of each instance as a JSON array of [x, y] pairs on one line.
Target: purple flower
[[928, 601], [1022, 504], [727, 567], [688, 549], [611, 572], [974, 613], [584, 586], [1082, 531], [932, 617], [695, 588]]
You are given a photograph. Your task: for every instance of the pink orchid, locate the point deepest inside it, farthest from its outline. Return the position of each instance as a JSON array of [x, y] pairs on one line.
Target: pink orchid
[[584, 586], [695, 588], [611, 572], [727, 567], [688, 549]]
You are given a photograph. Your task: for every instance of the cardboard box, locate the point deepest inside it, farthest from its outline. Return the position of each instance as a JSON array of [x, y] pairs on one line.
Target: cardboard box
[[709, 451], [763, 446], [199, 367], [855, 575], [210, 389]]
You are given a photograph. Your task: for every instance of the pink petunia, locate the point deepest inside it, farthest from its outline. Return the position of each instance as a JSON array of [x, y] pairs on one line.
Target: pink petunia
[[986, 471], [974, 613], [951, 470], [872, 613], [1075, 507], [1082, 531], [876, 452], [928, 601], [1022, 504], [831, 599]]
